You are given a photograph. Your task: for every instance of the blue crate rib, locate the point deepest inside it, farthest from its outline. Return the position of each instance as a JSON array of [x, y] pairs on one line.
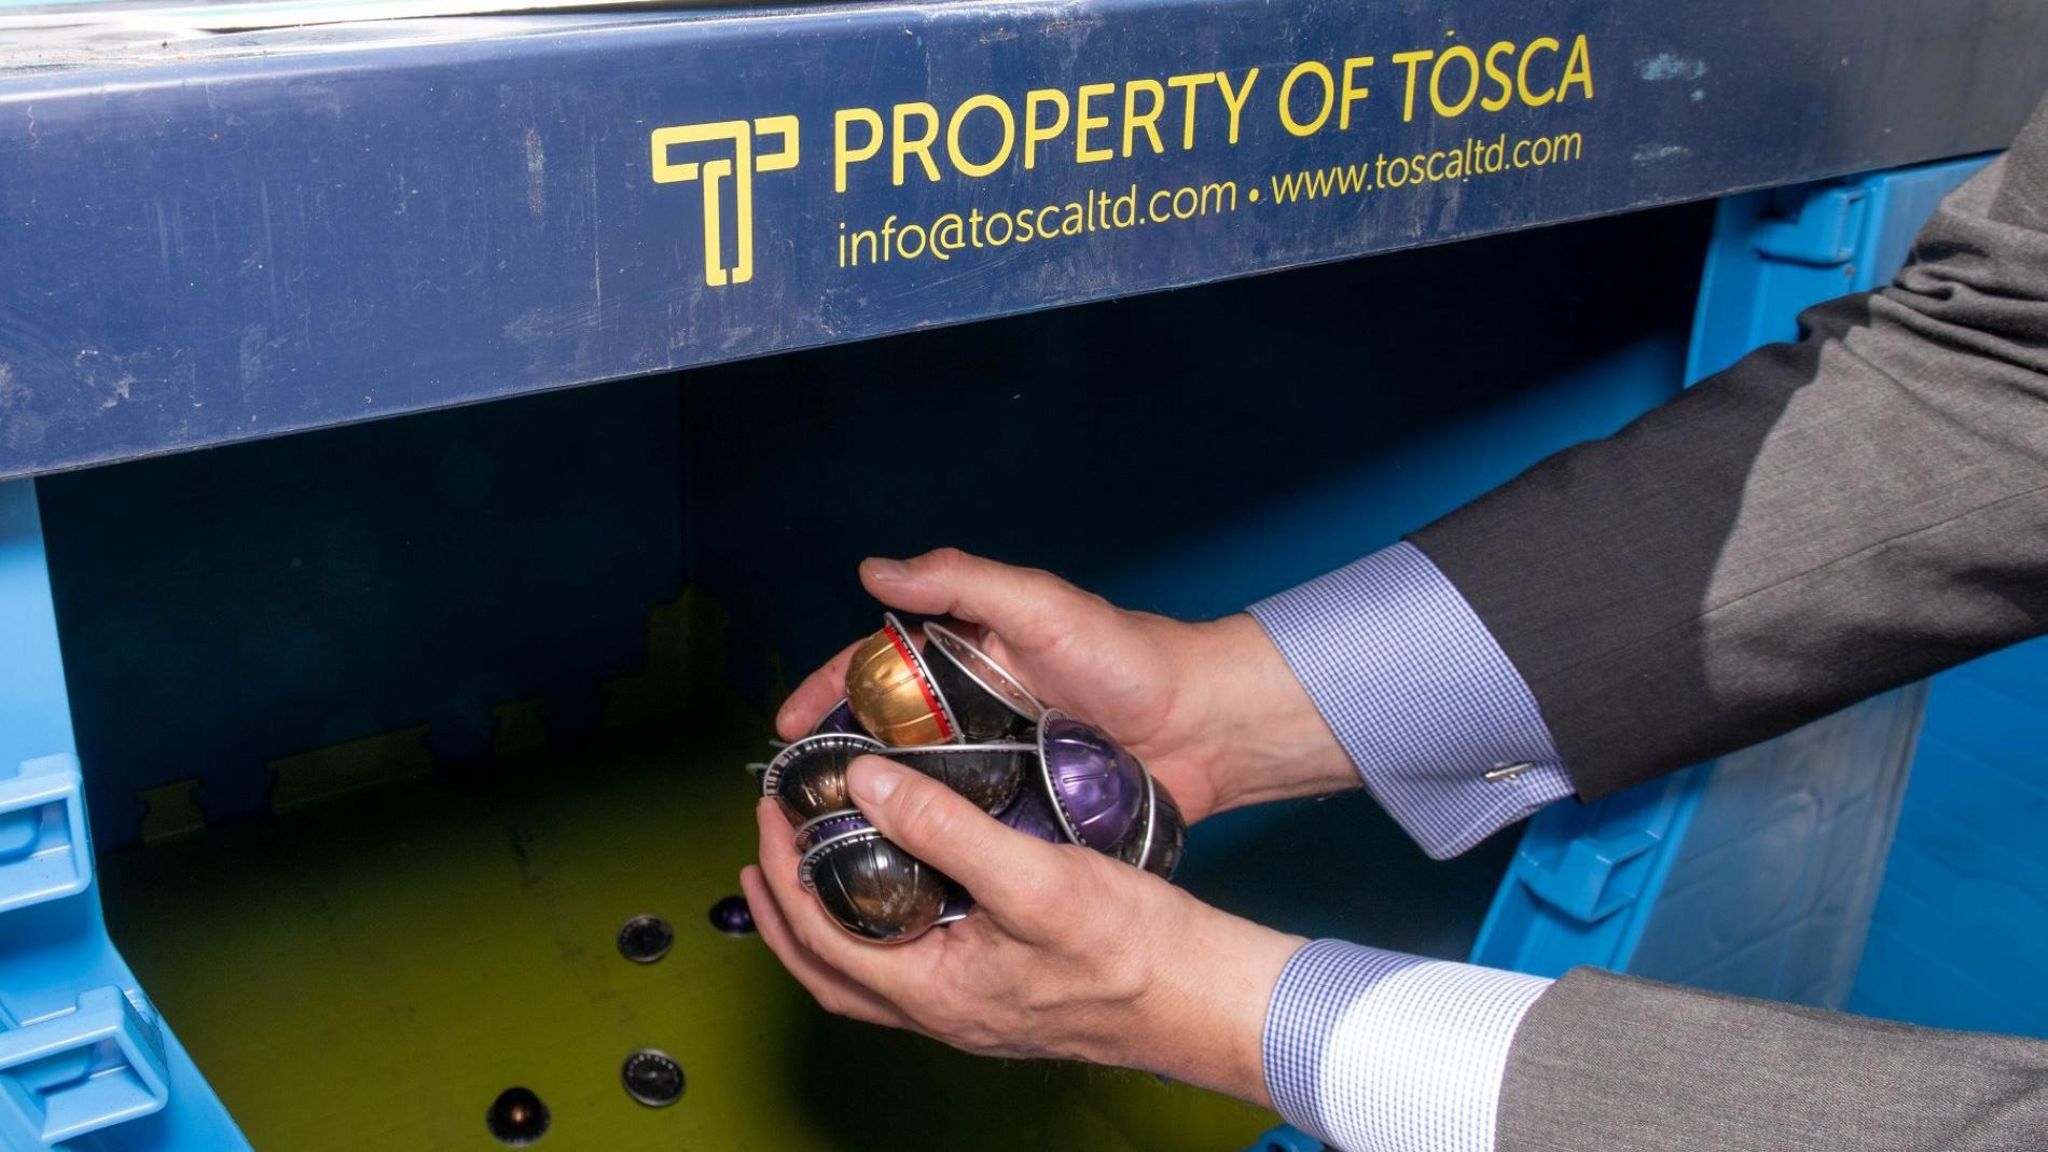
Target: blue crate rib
[[1755, 874], [216, 237], [85, 1062]]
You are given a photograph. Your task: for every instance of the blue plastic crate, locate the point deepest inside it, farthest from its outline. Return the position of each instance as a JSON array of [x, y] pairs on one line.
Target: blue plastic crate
[[1755, 874], [1638, 882], [85, 1062]]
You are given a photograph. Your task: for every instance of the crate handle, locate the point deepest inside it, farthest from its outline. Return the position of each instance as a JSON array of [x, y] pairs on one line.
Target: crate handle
[[96, 1065], [45, 843], [1823, 233], [1583, 883]]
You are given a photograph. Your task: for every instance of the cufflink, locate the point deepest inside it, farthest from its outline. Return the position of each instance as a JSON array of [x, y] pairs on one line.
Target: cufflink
[[1506, 771]]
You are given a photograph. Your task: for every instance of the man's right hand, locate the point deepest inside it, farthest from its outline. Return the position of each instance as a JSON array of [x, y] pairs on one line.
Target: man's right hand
[[1212, 709]]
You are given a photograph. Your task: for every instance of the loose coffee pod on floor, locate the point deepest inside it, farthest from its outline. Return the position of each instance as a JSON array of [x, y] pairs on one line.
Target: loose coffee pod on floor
[[1096, 787], [1031, 813], [839, 720], [958, 905], [874, 889], [830, 826], [808, 778], [892, 693], [987, 774], [1160, 837], [990, 703]]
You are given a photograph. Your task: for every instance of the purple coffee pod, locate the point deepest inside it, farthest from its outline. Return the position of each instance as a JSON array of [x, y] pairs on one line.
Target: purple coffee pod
[[987, 774], [1031, 813], [732, 916], [808, 778], [989, 703], [1096, 787], [874, 889], [830, 826], [839, 721]]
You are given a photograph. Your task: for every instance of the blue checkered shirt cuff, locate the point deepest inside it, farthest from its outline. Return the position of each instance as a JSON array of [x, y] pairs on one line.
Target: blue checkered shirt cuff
[[1372, 1051], [1420, 696]]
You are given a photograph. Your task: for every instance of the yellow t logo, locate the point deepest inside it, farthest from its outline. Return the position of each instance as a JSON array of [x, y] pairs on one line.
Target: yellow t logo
[[740, 168]]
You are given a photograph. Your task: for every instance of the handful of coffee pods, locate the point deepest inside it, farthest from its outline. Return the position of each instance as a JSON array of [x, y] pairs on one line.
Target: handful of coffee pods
[[951, 712]]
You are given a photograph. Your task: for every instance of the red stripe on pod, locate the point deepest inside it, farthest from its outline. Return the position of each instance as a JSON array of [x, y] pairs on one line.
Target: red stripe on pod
[[931, 695]]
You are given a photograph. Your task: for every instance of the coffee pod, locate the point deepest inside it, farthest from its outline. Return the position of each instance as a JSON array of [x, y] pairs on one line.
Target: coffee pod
[[874, 889], [987, 774], [1031, 813], [892, 693], [1160, 836], [989, 702], [808, 778], [1096, 787], [958, 905], [840, 721], [831, 826]]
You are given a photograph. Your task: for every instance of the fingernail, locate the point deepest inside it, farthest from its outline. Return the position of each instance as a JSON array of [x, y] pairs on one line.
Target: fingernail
[[880, 568], [873, 780]]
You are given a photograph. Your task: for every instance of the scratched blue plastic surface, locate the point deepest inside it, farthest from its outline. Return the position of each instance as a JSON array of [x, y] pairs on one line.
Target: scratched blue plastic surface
[[254, 234], [85, 1063]]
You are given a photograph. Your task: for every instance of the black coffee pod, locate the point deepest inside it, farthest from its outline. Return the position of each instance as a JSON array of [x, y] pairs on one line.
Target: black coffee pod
[[652, 1077], [1160, 838], [958, 905], [809, 777], [989, 703], [645, 939], [517, 1117], [874, 889], [987, 774]]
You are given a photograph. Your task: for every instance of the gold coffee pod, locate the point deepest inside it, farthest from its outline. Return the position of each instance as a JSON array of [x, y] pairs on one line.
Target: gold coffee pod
[[893, 694]]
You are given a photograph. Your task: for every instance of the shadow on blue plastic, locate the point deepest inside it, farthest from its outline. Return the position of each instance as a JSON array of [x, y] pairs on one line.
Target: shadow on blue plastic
[[1815, 809], [1575, 892], [85, 1069], [1777, 253], [45, 851]]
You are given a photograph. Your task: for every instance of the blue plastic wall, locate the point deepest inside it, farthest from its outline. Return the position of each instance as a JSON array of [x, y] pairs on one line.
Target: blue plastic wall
[[1756, 874], [222, 609], [84, 1059], [1962, 922]]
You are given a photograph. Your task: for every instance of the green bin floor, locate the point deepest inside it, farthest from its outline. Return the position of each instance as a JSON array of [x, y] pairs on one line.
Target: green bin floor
[[371, 973]]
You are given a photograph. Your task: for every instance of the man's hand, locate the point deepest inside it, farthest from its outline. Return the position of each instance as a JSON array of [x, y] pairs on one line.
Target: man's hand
[[1067, 954], [1212, 709]]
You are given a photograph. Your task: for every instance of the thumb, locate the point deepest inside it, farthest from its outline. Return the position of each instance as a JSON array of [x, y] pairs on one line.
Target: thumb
[[944, 829], [1023, 604]]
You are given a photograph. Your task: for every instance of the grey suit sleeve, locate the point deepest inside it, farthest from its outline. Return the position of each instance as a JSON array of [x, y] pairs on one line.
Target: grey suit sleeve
[[1607, 1062], [1821, 522]]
